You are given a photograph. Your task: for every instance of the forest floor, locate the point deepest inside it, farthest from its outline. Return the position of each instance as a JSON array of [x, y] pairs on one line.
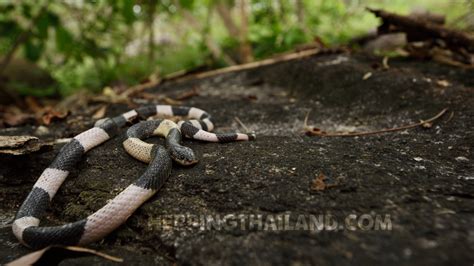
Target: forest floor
[[421, 179]]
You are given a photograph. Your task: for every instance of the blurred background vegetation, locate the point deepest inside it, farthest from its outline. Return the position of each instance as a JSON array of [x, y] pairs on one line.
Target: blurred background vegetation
[[58, 47]]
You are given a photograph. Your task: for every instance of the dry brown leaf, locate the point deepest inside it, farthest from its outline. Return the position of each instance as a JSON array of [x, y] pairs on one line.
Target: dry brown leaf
[[318, 183], [251, 97], [50, 113], [33, 104], [322, 182], [427, 125], [100, 113], [15, 117]]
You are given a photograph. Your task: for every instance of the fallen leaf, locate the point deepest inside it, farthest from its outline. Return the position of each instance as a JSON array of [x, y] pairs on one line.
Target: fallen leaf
[[427, 125], [50, 113], [367, 76], [33, 104], [443, 83], [108, 91], [251, 97], [15, 117], [322, 182], [110, 96], [100, 113], [318, 183]]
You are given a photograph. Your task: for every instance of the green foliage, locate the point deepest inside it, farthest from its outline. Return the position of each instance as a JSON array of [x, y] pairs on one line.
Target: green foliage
[[270, 31], [92, 43]]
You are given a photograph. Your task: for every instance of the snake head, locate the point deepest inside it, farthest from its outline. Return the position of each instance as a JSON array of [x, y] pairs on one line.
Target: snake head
[[183, 155]]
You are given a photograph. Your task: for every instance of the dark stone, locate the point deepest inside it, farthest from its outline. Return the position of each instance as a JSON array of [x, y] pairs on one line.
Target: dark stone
[[429, 200]]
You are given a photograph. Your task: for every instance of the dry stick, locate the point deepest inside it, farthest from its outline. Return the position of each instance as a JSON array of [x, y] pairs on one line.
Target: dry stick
[[178, 76], [94, 252], [242, 124], [283, 58], [313, 133], [450, 117]]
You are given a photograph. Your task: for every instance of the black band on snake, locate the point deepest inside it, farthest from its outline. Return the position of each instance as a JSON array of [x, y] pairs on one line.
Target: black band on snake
[[97, 225]]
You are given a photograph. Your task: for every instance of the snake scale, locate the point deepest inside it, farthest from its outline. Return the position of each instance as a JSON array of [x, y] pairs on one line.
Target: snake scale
[[97, 225]]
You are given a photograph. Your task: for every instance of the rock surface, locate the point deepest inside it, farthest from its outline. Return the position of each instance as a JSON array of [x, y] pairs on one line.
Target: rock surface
[[412, 178]]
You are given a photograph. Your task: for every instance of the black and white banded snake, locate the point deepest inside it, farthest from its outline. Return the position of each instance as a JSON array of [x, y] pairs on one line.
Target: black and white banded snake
[[97, 225]]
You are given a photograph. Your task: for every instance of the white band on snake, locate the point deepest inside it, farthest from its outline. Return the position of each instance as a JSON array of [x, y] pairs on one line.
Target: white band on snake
[[97, 225]]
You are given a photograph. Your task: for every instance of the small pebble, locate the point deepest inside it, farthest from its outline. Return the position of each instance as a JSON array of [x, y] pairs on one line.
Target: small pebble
[[426, 243], [407, 252], [41, 130]]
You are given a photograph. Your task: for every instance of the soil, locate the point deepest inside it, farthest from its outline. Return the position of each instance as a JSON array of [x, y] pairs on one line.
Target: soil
[[422, 179]]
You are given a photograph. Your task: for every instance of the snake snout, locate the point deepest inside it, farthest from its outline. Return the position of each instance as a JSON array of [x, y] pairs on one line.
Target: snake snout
[[183, 155]]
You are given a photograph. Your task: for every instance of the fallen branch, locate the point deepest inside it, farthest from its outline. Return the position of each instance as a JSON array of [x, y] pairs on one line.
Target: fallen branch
[[418, 30], [312, 131], [283, 58]]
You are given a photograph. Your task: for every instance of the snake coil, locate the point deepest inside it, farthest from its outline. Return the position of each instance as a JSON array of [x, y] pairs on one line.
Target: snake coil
[[97, 225]]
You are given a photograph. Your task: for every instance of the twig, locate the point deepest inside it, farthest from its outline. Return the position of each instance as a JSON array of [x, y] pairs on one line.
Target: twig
[[450, 117], [311, 132], [242, 124], [139, 88], [187, 94], [94, 252], [385, 63], [282, 58]]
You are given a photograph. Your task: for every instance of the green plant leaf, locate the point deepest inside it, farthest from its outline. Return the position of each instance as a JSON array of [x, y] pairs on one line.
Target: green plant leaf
[[42, 26], [64, 40], [33, 50], [186, 4], [127, 11]]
